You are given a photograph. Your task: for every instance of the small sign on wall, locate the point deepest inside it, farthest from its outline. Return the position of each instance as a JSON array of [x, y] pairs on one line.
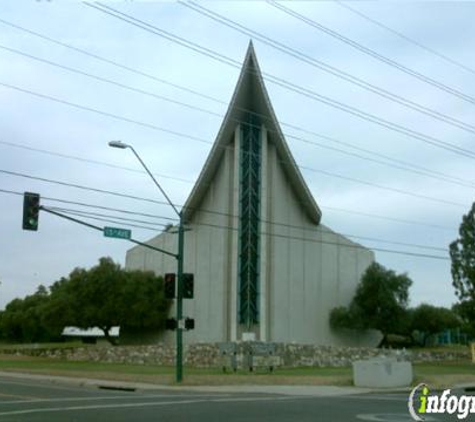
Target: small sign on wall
[[248, 336]]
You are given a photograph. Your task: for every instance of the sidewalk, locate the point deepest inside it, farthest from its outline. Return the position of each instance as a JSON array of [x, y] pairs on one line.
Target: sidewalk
[[291, 390]]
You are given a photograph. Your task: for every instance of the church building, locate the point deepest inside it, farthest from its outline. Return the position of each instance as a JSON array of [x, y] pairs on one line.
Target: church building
[[264, 265]]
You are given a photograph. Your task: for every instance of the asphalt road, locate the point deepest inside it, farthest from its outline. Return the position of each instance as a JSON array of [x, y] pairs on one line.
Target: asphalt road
[[35, 401]]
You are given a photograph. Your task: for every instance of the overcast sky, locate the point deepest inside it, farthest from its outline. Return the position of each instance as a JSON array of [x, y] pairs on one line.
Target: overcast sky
[[43, 137]]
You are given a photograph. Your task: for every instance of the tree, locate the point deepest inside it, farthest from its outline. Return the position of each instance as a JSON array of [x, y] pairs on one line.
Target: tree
[[380, 303], [107, 295], [143, 301], [462, 254], [22, 320], [465, 311], [430, 320]]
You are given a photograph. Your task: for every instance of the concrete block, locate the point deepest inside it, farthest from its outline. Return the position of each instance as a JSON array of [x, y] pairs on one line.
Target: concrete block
[[382, 373]]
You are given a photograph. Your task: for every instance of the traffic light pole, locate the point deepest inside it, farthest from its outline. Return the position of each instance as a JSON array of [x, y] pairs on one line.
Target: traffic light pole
[[179, 302]]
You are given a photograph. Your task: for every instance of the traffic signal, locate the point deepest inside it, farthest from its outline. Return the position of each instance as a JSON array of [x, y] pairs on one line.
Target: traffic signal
[[170, 286], [170, 324], [189, 324], [31, 210], [188, 283]]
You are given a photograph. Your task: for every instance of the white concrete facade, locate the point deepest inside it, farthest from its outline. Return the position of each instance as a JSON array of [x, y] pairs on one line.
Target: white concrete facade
[[305, 269]]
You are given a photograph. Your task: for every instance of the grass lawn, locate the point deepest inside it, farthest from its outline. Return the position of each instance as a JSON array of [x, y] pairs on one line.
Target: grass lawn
[[445, 374], [437, 375], [58, 345], [166, 375]]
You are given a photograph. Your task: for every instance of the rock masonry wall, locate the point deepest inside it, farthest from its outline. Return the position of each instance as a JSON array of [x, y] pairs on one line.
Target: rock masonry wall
[[206, 355]]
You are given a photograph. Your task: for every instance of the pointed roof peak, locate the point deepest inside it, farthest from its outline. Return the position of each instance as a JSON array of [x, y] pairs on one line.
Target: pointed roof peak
[[250, 47], [251, 97], [250, 56]]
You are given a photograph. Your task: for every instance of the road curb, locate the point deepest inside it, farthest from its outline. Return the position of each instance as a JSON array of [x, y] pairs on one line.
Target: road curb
[[291, 390]]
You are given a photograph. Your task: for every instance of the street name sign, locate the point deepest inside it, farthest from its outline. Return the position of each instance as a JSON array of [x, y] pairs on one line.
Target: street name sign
[[117, 232]]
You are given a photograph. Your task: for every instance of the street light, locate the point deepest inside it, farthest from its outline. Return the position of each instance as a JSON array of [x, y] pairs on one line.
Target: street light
[[179, 258]]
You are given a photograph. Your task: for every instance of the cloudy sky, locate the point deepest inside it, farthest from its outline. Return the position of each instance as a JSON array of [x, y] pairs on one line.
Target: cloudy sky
[[382, 134]]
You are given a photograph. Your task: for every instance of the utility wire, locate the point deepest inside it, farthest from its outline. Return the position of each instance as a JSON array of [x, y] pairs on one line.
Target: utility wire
[[378, 186], [444, 178], [126, 219], [108, 81], [321, 241], [406, 38], [109, 61], [104, 113], [373, 53], [100, 207], [205, 96], [338, 176], [326, 173], [290, 226], [287, 237], [299, 55], [160, 97], [235, 217], [388, 218], [285, 84], [109, 218], [88, 160], [175, 220], [417, 170]]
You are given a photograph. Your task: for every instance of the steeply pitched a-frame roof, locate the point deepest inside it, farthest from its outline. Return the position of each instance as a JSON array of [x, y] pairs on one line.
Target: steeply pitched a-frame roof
[[250, 95]]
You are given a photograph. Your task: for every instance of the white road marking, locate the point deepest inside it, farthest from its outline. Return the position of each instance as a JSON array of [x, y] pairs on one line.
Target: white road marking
[[371, 397], [146, 404], [389, 417], [99, 398]]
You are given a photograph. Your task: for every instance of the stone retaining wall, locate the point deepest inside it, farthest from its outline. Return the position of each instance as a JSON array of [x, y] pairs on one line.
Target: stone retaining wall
[[208, 355]]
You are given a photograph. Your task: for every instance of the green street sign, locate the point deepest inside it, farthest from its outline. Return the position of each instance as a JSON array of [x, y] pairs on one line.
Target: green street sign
[[117, 233]]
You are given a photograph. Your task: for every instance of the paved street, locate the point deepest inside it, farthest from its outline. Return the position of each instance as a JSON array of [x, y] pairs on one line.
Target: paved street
[[34, 400]]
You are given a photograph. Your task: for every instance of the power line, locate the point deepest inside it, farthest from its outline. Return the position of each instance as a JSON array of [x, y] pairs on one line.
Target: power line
[[376, 185], [97, 214], [387, 218], [299, 55], [406, 38], [109, 61], [236, 217], [290, 226], [373, 53], [102, 207], [326, 173], [352, 212], [320, 241], [109, 218], [108, 81], [187, 136], [287, 237], [104, 113], [416, 170], [88, 160], [390, 161], [286, 84], [205, 96], [81, 187], [174, 220]]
